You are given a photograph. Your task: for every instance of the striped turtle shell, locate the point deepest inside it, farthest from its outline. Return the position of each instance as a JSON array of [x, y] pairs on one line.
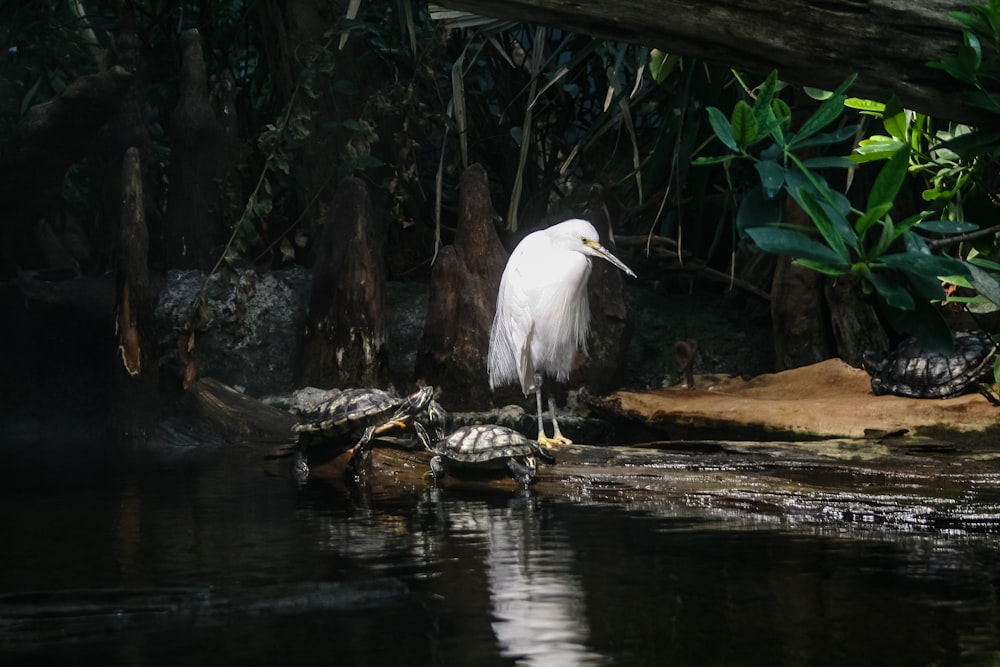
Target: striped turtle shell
[[483, 443], [349, 412], [910, 370]]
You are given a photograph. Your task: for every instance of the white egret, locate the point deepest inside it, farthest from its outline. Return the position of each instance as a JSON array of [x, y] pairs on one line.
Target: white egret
[[543, 313]]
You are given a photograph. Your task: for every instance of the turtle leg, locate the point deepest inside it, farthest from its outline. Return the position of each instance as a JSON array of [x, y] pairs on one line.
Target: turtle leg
[[359, 452], [437, 467], [522, 472], [990, 396]]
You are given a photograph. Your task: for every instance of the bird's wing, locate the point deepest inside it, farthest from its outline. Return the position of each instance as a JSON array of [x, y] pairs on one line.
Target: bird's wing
[[509, 356]]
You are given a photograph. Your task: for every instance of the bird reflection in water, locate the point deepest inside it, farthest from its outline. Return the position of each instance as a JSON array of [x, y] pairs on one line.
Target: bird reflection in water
[[537, 600]]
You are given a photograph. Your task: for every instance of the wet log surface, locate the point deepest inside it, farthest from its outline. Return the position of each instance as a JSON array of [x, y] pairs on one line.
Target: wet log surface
[[890, 480]]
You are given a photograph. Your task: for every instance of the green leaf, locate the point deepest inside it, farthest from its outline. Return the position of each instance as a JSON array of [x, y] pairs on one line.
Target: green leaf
[[887, 234], [924, 264], [894, 120], [870, 217], [819, 267], [713, 160], [876, 147], [947, 226], [818, 186], [904, 226], [829, 138], [973, 51], [890, 178], [756, 210], [985, 284], [744, 124], [783, 113], [984, 263], [825, 225], [817, 94], [865, 106], [923, 321], [772, 176], [661, 64], [972, 144], [891, 292], [796, 244], [827, 112], [723, 130], [762, 108], [829, 162]]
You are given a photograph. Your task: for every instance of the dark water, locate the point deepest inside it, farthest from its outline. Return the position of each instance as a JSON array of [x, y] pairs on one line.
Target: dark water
[[216, 562]]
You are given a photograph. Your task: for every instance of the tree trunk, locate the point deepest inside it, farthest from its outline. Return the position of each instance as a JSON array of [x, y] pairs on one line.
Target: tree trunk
[[201, 162], [50, 137], [608, 321], [887, 42], [126, 129], [345, 332], [799, 316], [134, 409], [855, 324], [463, 299]]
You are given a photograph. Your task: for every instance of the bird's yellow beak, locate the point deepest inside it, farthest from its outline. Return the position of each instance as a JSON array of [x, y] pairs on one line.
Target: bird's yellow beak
[[600, 251]]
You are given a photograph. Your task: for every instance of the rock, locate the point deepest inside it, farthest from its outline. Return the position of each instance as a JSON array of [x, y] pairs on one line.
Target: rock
[[247, 334]]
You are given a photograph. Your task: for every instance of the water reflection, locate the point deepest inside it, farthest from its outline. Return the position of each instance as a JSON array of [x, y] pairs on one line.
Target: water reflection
[[219, 560], [536, 600]]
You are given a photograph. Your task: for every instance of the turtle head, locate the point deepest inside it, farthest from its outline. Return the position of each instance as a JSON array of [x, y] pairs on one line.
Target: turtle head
[[420, 399], [422, 436], [437, 419], [873, 362]]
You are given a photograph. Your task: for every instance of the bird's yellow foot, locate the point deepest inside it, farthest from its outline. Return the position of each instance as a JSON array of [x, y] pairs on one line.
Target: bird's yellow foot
[[554, 443]]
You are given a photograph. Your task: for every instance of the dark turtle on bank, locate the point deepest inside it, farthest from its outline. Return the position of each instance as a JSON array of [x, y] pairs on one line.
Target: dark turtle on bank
[[356, 416], [485, 447], [910, 370]]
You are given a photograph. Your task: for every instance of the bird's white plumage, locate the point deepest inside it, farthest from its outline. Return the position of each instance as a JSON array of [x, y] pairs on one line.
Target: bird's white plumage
[[543, 313]]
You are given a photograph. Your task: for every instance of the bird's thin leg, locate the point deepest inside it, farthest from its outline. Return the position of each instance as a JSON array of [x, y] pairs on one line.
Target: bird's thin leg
[[558, 438], [556, 433], [538, 399]]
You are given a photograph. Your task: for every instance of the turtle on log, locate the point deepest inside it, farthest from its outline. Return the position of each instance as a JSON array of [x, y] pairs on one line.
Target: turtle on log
[[913, 371], [484, 447], [354, 417]]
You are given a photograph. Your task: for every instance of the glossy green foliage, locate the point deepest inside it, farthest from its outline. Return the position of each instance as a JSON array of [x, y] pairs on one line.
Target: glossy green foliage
[[892, 260]]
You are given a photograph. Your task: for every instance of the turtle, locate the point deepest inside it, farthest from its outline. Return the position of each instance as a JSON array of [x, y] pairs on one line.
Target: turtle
[[912, 370], [358, 415], [484, 446]]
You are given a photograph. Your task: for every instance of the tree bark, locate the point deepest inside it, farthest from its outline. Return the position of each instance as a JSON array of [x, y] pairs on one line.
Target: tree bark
[[202, 158], [50, 138], [608, 314], [888, 43], [799, 316], [855, 324], [463, 299], [345, 332], [127, 128], [134, 408]]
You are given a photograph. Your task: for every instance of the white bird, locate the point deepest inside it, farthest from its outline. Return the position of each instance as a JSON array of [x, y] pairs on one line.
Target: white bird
[[543, 313]]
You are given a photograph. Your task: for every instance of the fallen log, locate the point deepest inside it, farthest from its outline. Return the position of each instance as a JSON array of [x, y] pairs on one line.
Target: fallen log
[[888, 478], [888, 43]]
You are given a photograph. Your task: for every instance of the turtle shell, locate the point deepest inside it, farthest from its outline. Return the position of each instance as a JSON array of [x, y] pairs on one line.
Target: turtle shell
[[484, 444], [349, 412], [910, 370]]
